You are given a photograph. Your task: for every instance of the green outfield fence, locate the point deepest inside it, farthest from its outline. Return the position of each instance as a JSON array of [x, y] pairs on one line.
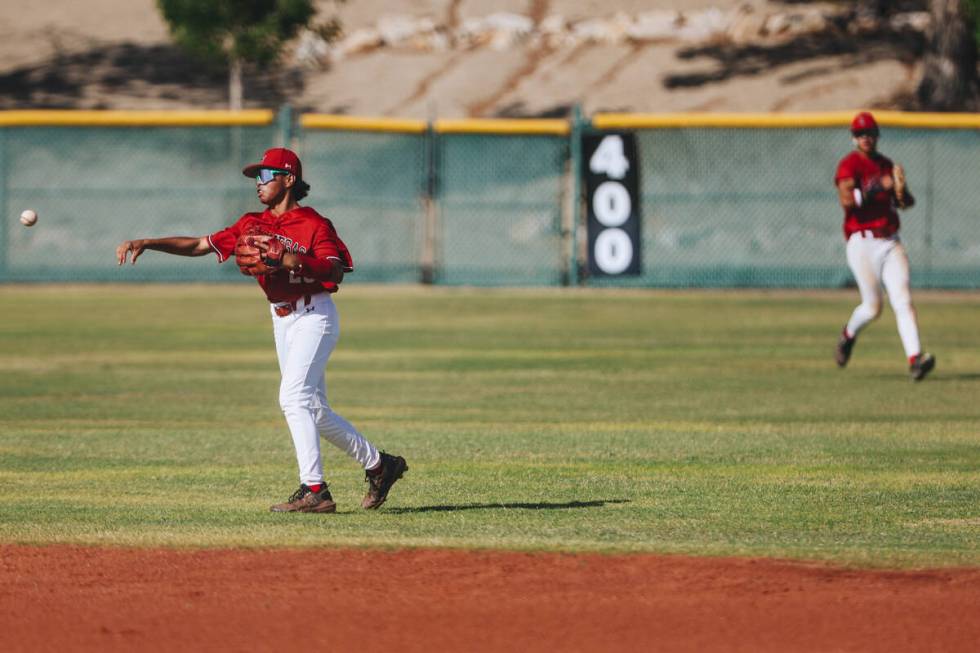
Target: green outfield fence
[[727, 200]]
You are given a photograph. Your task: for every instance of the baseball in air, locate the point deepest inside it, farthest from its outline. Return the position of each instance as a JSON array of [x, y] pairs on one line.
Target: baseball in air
[[28, 218]]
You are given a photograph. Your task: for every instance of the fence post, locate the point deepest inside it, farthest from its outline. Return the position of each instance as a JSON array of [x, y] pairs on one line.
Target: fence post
[[285, 125], [929, 196], [573, 214], [4, 208], [427, 268]]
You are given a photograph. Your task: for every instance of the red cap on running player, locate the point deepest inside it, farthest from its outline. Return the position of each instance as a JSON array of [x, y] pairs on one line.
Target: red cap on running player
[[864, 122], [278, 158]]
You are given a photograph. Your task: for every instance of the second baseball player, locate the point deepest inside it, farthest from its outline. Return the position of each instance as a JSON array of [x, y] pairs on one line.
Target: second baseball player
[[871, 188]]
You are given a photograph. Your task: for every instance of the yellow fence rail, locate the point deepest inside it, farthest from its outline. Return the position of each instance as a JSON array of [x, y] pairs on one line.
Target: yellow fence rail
[[554, 127], [558, 127], [467, 126], [358, 123], [782, 120], [67, 118]]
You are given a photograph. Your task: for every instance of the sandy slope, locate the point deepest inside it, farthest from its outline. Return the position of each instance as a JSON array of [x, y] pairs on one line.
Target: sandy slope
[[116, 54]]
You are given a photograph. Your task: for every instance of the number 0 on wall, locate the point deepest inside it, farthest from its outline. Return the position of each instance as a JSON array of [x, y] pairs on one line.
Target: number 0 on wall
[[612, 195]]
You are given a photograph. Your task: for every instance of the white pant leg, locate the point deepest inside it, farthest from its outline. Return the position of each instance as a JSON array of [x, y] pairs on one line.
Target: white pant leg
[[895, 276], [867, 274], [304, 342], [342, 434], [331, 426]]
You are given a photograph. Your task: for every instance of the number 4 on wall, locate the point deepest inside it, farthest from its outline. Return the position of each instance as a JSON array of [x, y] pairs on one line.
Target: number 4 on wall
[[609, 158]]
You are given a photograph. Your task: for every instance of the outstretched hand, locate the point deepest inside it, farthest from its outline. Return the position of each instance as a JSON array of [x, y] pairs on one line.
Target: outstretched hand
[[135, 247]]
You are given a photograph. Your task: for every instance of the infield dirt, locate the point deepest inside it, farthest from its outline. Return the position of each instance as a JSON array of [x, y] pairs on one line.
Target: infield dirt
[[60, 598]]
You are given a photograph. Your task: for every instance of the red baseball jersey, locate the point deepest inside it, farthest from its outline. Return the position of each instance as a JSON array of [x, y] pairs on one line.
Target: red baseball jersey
[[877, 212], [301, 230]]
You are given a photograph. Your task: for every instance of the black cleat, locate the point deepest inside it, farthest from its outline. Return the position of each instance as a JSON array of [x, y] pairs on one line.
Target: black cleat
[[921, 365], [392, 468], [844, 346]]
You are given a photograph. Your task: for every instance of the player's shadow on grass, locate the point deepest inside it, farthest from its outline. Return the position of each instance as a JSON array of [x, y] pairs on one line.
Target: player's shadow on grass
[[943, 377], [515, 506]]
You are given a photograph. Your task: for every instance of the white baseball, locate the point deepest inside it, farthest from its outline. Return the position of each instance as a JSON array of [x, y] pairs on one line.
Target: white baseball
[[28, 218]]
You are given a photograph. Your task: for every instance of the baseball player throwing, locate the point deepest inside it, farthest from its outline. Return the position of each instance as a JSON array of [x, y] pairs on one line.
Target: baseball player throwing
[[871, 188], [298, 259]]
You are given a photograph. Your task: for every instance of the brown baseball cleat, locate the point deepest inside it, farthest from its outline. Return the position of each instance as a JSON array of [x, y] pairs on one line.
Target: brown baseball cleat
[[392, 468], [843, 352], [921, 365], [306, 500]]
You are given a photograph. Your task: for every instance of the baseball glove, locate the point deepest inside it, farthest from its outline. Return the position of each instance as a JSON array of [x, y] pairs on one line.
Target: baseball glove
[[898, 174], [258, 254]]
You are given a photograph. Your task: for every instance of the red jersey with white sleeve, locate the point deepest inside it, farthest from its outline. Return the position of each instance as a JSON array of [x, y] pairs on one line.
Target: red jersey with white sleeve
[[301, 230], [877, 212]]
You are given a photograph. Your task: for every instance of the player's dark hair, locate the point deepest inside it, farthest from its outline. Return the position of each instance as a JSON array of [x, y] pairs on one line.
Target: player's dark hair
[[300, 190]]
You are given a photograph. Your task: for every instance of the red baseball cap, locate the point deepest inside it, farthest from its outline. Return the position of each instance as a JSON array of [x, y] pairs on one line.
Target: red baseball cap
[[864, 122], [278, 158]]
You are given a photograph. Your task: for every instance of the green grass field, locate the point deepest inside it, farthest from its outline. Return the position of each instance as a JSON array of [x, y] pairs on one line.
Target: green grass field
[[703, 423]]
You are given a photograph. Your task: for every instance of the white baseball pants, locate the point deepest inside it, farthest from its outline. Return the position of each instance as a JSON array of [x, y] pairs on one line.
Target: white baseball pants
[[876, 262], [304, 341]]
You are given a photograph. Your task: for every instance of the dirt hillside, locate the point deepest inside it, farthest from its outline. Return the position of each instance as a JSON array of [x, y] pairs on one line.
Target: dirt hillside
[[481, 58]]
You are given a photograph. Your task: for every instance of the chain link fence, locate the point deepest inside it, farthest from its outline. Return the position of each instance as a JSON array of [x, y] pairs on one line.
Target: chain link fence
[[499, 201], [372, 186], [94, 187], [479, 204], [726, 207]]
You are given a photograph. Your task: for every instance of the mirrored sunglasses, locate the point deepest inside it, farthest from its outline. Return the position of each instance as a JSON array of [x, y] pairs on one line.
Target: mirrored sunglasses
[[266, 175], [866, 132]]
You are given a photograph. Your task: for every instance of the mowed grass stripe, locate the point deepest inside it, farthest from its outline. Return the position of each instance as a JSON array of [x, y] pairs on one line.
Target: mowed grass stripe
[[709, 423]]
